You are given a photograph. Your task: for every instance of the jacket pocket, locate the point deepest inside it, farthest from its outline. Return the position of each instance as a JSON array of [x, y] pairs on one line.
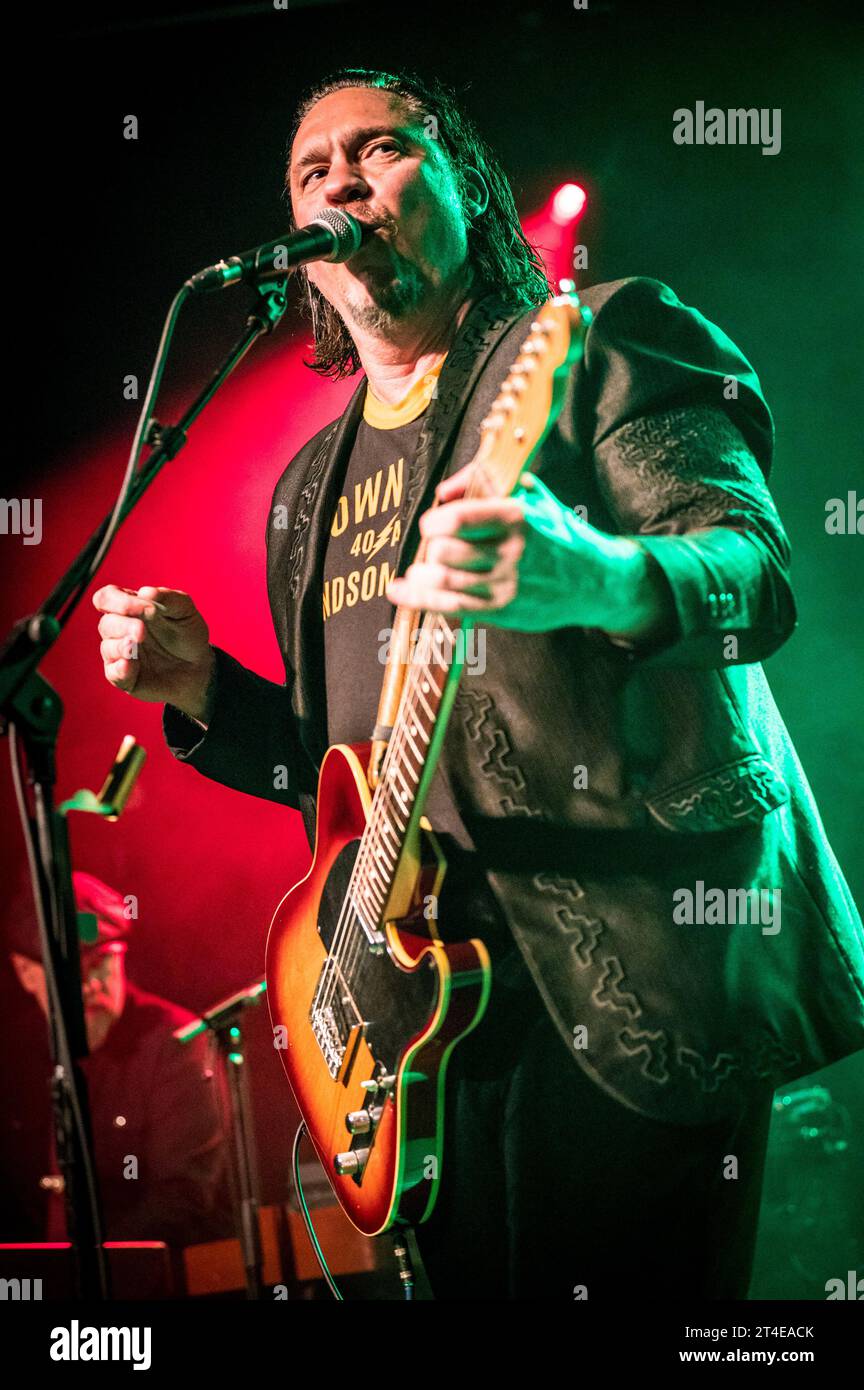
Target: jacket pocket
[[738, 793]]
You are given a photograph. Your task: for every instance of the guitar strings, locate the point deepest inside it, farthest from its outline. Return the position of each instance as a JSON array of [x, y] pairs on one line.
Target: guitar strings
[[340, 964], [337, 964], [378, 814], [408, 710]]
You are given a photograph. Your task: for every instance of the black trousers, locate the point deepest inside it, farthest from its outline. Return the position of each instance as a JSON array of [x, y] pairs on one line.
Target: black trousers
[[550, 1189]]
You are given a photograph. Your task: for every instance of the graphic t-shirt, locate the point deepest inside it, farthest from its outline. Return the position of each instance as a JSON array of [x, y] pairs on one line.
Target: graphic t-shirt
[[359, 563]]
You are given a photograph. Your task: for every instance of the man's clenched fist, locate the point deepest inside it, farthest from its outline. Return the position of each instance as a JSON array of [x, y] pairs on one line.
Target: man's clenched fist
[[155, 646]]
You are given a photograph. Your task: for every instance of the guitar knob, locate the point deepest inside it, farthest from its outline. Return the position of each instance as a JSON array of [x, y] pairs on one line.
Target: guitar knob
[[352, 1161], [358, 1122]]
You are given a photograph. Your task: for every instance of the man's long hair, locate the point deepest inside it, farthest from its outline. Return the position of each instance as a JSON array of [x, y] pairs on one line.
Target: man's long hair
[[499, 254]]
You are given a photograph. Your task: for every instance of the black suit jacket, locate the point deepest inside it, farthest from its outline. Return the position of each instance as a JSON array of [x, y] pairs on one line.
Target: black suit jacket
[[691, 775]]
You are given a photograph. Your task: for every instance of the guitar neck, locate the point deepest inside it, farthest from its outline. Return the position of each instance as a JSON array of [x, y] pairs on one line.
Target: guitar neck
[[434, 670]]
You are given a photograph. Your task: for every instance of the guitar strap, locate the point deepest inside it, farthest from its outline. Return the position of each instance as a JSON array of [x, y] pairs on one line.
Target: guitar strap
[[483, 325]]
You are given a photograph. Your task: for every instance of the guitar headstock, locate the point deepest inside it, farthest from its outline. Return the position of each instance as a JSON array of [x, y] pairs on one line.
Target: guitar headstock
[[530, 396]]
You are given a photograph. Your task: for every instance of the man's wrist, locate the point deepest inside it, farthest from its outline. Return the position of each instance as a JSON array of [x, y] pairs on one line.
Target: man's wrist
[[198, 705], [640, 602]]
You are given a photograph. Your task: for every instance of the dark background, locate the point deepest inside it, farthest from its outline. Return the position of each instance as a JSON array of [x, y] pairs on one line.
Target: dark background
[[105, 230]]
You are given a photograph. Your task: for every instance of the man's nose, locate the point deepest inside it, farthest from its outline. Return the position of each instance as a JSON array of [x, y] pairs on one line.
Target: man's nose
[[344, 184]]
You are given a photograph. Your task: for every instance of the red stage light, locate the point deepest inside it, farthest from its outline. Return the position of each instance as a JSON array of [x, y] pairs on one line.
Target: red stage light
[[567, 203], [554, 228]]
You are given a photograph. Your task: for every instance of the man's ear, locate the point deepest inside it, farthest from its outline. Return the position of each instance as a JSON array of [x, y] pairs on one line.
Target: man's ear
[[477, 195]]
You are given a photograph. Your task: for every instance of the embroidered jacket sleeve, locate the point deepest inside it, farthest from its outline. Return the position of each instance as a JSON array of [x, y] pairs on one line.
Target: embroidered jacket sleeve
[[681, 441], [249, 743]]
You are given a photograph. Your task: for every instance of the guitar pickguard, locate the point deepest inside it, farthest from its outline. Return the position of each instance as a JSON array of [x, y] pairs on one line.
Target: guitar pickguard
[[363, 986]]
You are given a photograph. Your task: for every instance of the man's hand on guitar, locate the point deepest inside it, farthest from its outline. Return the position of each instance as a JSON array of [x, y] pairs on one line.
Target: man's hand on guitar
[[155, 646], [542, 567]]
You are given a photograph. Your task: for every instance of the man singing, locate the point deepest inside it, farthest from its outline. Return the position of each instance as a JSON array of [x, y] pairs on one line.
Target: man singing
[[616, 756]]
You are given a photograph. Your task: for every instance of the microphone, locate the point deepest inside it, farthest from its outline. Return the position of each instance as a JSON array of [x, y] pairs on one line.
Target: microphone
[[332, 236]]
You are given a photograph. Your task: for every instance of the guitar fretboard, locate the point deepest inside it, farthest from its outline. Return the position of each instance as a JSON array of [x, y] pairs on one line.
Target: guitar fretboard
[[397, 802]]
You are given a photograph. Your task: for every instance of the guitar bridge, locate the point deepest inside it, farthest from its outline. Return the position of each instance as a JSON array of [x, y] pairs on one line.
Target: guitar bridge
[[326, 1031]]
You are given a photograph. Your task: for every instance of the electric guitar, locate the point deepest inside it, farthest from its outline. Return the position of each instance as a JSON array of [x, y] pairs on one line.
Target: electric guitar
[[367, 1003]]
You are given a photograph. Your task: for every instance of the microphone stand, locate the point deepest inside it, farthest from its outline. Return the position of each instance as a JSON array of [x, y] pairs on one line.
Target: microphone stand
[[224, 1021], [31, 711]]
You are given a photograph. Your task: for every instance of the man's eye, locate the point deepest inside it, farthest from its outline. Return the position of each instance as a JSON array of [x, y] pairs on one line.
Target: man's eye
[[371, 149]]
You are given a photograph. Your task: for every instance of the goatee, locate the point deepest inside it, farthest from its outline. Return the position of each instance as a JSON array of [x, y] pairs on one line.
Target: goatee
[[393, 301]]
